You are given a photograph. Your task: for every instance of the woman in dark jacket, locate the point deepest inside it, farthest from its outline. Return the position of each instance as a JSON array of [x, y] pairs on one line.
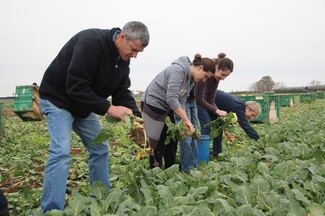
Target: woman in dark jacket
[[205, 93]]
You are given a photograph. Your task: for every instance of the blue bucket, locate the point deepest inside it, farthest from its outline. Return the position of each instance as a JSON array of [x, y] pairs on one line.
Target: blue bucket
[[203, 147]]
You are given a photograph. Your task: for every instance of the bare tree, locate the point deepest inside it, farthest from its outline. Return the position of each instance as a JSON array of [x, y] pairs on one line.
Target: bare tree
[[252, 87], [279, 85], [315, 83], [264, 84]]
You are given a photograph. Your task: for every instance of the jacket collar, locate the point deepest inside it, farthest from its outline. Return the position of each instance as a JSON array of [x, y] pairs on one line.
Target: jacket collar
[[113, 49]]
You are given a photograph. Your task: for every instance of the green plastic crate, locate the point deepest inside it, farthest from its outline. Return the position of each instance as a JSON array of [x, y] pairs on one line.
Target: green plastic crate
[[26, 103], [320, 95], [286, 100], [307, 98], [296, 98], [268, 93], [247, 97]]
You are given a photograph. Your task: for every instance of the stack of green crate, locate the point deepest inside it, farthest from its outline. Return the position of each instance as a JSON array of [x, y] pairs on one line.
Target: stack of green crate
[[307, 97], [320, 95], [26, 103]]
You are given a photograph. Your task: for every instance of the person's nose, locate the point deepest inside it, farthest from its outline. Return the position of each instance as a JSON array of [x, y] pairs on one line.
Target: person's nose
[[134, 54]]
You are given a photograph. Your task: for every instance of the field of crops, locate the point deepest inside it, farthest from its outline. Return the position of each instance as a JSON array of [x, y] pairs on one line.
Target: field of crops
[[282, 174]]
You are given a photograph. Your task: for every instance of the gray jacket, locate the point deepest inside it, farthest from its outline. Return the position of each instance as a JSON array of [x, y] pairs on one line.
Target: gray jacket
[[171, 87]]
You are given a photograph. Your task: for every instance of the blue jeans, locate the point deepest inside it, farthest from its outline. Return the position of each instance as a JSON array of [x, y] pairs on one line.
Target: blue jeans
[[188, 146], [60, 124], [205, 118]]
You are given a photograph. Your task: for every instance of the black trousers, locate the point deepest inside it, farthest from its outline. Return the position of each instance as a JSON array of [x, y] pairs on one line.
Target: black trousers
[[4, 211], [163, 151]]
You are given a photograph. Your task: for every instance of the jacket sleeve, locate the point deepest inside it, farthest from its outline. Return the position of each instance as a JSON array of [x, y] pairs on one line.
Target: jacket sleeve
[[245, 125], [82, 67], [123, 97], [174, 84], [200, 90]]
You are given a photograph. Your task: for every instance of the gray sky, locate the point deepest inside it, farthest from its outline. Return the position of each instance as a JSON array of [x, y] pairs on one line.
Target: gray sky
[[281, 38]]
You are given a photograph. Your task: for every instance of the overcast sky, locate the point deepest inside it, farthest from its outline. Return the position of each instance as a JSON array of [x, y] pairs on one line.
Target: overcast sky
[[281, 38]]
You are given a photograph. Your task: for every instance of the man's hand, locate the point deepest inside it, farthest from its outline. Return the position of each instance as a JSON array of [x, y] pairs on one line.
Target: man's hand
[[119, 112]]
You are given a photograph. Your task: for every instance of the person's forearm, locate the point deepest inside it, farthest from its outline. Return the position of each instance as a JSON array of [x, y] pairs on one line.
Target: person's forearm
[[181, 113]]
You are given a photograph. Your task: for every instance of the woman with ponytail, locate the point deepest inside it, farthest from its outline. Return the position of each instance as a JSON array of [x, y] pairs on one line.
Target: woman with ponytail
[[206, 92], [166, 95]]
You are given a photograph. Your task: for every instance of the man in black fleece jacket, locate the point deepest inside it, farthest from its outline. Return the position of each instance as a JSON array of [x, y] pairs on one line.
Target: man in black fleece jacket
[[92, 65], [244, 110]]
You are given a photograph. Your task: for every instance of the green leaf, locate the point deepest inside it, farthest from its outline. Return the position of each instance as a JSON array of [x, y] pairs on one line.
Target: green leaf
[[98, 189], [171, 171], [300, 196], [222, 207], [101, 137], [53, 213], [283, 169], [243, 195], [94, 208], [200, 191], [245, 210], [165, 196], [295, 209], [259, 184], [128, 122], [262, 168], [128, 206], [175, 211], [268, 200], [110, 119], [146, 193], [316, 209], [77, 204], [148, 211], [112, 200]]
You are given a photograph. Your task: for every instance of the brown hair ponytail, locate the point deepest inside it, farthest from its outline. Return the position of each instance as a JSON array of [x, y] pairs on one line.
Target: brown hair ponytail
[[208, 64], [224, 63]]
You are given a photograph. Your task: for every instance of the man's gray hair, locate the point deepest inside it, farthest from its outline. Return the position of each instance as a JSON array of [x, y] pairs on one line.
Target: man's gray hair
[[254, 106], [137, 30]]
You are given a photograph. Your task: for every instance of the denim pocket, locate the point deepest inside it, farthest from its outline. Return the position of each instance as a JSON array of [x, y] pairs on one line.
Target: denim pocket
[[43, 104]]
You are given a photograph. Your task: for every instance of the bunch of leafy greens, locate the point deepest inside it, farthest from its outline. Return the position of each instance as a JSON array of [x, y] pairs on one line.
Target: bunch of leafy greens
[[221, 124], [178, 131], [135, 130]]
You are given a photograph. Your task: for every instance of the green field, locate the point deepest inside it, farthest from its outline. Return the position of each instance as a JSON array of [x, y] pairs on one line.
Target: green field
[[282, 174]]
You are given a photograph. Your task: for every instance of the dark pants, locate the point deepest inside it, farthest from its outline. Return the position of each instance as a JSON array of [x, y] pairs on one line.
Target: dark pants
[[4, 211], [205, 117], [217, 145], [168, 152]]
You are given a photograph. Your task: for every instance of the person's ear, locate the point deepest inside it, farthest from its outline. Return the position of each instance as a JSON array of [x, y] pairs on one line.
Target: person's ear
[[122, 35]]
